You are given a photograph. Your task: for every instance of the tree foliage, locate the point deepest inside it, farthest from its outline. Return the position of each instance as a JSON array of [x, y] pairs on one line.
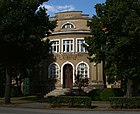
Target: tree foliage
[[22, 29], [80, 81], [116, 38]]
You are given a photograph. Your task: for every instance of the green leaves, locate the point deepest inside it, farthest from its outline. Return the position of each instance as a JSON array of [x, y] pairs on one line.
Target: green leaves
[[116, 37], [22, 30]]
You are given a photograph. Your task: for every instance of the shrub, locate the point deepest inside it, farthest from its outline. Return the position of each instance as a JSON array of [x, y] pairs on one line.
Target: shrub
[[124, 102], [106, 94], [119, 92], [70, 101], [95, 94], [14, 91], [118, 102], [133, 102], [39, 96]]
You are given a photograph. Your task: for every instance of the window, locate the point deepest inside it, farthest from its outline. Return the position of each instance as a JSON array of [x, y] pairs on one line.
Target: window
[[53, 71], [67, 45], [54, 46], [82, 70], [80, 47], [68, 25]]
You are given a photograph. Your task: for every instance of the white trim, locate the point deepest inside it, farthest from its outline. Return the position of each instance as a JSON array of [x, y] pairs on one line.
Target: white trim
[[77, 44], [72, 45], [59, 44], [58, 70], [65, 32], [87, 67], [68, 23], [62, 71]]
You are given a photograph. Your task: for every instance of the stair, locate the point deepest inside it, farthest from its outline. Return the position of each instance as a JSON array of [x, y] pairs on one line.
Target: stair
[[58, 92]]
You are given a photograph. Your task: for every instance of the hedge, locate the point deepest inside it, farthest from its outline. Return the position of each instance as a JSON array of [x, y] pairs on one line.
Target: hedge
[[124, 102], [95, 94], [106, 94], [70, 101]]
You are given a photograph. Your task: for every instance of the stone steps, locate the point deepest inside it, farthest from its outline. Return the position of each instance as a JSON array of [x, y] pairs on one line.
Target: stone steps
[[58, 92]]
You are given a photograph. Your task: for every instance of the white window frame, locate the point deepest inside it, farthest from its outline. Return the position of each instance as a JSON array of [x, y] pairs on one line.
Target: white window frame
[[85, 73], [56, 45], [64, 25], [70, 46], [80, 46], [55, 75]]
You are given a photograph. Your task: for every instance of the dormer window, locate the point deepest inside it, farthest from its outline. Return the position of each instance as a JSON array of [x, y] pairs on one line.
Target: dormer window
[[67, 25]]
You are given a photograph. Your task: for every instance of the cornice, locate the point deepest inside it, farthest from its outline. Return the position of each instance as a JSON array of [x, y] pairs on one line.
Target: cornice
[[70, 32]]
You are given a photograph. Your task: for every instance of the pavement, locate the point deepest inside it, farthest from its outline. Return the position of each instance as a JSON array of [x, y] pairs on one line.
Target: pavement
[[98, 107], [44, 105]]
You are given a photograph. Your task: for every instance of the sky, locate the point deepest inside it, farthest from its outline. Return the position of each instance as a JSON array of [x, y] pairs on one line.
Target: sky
[[86, 6]]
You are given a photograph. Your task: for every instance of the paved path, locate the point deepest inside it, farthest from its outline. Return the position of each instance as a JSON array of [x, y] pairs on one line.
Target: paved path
[[6, 110], [46, 105]]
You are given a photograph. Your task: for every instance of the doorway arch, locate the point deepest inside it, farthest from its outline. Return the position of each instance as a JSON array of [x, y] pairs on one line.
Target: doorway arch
[[67, 76]]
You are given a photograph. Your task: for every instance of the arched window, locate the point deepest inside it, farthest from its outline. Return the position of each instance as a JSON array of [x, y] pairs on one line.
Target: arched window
[[82, 70], [67, 25], [53, 71]]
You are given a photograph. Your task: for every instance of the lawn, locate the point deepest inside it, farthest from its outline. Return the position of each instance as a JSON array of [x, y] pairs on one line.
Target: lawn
[[30, 99], [24, 99]]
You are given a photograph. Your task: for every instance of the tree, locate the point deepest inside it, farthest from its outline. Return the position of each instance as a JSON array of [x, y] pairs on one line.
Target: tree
[[22, 29], [81, 82], [2, 81], [116, 39]]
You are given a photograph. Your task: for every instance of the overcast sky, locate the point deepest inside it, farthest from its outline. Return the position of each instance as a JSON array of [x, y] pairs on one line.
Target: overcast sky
[[87, 6]]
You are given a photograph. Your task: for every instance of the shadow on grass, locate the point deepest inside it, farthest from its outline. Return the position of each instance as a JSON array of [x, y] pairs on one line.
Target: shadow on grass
[[18, 100], [28, 98]]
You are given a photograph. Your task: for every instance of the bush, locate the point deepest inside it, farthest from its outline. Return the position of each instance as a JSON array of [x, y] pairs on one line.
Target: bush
[[95, 94], [14, 91], [119, 92], [70, 101], [101, 94], [2, 91], [118, 102], [39, 96], [106, 94], [133, 102], [124, 102]]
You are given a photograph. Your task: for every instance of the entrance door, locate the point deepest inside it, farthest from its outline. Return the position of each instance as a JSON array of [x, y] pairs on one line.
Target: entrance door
[[67, 76]]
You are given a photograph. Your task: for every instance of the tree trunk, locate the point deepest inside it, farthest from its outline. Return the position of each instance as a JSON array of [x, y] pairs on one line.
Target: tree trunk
[[129, 88], [104, 76], [7, 88], [18, 83]]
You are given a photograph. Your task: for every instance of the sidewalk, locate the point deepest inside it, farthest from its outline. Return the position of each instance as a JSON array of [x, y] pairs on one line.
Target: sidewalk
[[99, 107], [44, 105]]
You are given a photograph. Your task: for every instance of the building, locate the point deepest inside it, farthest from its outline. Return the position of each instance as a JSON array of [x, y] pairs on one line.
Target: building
[[68, 56]]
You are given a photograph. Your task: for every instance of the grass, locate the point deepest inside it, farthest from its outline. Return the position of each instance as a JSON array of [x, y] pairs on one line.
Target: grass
[[24, 99], [16, 101], [28, 99]]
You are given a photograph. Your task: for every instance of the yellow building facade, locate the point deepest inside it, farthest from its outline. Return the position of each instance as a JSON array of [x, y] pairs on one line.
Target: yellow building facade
[[68, 56]]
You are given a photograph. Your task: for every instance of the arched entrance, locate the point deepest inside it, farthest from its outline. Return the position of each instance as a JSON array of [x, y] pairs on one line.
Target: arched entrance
[[67, 76]]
